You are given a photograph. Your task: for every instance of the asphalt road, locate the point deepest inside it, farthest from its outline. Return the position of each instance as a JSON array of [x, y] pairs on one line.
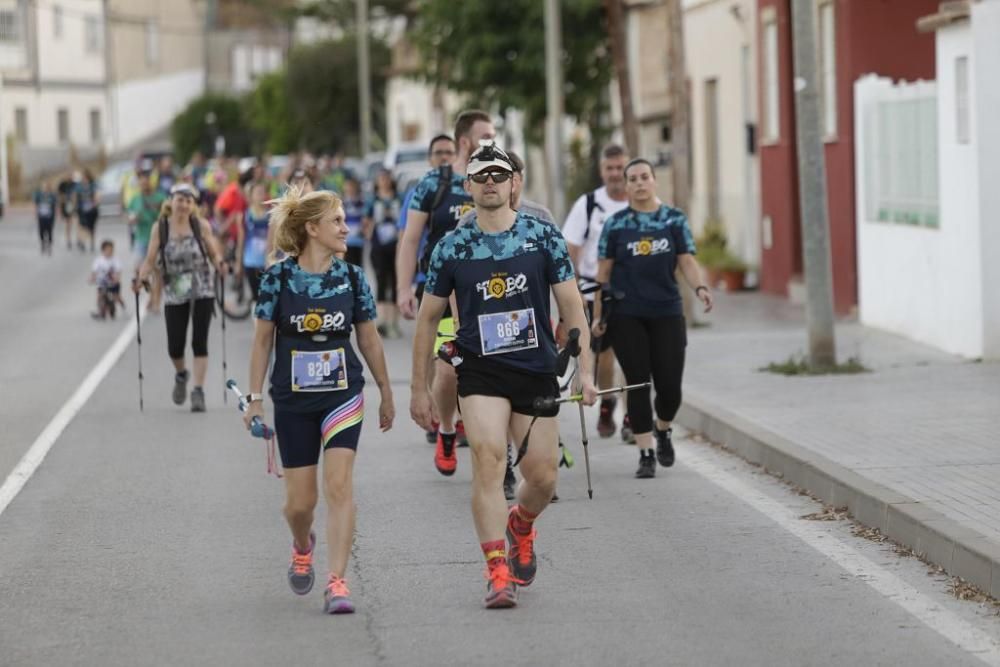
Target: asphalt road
[[158, 539]]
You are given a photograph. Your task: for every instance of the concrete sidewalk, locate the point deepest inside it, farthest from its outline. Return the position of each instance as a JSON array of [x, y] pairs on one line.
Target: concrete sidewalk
[[910, 448]]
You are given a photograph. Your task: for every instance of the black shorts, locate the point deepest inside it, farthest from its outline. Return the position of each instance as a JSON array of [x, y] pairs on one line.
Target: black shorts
[[303, 435], [606, 338], [482, 376]]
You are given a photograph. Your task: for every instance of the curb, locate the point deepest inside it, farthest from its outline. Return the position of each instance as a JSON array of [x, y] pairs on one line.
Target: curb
[[959, 550]]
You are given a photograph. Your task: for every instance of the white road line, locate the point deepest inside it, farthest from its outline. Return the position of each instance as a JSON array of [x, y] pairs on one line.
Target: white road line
[[946, 623], [33, 458]]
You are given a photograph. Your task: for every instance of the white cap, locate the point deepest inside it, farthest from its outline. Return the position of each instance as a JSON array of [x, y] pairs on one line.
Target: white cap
[[486, 156]]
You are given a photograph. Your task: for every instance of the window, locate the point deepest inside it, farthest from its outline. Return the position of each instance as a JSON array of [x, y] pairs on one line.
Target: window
[[92, 34], [21, 124], [152, 43], [10, 26], [828, 69], [772, 92], [62, 123], [95, 126], [962, 99], [57, 21]]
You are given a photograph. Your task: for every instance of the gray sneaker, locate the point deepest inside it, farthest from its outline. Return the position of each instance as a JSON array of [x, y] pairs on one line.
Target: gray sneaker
[[300, 572], [197, 400], [180, 387]]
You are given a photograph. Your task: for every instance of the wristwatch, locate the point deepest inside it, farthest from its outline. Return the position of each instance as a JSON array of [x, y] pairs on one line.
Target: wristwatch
[[254, 397]]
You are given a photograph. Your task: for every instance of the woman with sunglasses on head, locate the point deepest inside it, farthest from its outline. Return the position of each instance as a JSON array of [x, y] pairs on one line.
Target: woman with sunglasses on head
[[640, 248], [183, 249], [308, 305]]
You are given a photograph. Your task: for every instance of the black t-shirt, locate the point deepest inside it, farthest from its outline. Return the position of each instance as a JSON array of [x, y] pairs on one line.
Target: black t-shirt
[[645, 247], [501, 284]]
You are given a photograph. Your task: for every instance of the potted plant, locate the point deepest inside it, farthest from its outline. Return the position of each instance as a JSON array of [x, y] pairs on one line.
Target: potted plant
[[721, 265]]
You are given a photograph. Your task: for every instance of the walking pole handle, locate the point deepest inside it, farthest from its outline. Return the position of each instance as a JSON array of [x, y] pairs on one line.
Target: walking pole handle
[[257, 428]]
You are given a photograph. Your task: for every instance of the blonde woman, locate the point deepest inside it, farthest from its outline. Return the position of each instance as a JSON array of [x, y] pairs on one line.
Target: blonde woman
[[307, 306]]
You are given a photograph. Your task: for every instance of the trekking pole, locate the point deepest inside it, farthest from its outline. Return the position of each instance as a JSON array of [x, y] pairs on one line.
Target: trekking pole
[[586, 450], [138, 339], [258, 429], [222, 307]]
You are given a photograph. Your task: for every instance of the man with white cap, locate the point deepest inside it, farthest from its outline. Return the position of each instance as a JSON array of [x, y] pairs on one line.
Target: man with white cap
[[501, 270]]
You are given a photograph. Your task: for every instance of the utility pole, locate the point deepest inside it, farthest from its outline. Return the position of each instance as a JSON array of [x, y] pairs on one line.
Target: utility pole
[[364, 77], [680, 104], [680, 127], [554, 106], [616, 35], [812, 189]]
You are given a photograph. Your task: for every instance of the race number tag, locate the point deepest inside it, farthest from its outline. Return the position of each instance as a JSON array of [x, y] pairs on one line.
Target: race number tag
[[508, 332], [319, 371]]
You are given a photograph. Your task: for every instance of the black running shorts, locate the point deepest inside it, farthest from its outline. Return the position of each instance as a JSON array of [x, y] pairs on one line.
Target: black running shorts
[[482, 376]]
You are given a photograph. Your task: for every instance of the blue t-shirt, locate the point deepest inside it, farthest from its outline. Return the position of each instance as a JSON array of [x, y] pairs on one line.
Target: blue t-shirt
[[315, 367], [354, 211], [501, 284], [255, 239], [85, 196], [455, 202], [644, 247], [419, 277], [384, 212], [45, 204]]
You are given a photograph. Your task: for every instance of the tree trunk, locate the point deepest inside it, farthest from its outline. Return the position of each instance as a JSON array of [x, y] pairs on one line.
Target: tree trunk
[[616, 37]]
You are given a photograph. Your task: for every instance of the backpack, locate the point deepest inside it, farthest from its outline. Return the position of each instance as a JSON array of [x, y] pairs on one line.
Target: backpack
[[444, 184], [591, 206], [165, 237]]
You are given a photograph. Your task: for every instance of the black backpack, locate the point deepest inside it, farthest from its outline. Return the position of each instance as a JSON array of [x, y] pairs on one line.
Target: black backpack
[[165, 237], [591, 205]]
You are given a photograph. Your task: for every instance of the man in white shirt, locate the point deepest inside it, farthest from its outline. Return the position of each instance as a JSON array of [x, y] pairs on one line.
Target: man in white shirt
[[582, 231]]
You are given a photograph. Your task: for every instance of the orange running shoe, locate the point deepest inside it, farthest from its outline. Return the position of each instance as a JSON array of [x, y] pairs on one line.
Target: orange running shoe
[[521, 553], [444, 455], [300, 572], [501, 588], [463, 441], [337, 598]]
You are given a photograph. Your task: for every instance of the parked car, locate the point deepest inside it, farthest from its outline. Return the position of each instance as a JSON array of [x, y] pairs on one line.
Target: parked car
[[403, 156], [109, 187]]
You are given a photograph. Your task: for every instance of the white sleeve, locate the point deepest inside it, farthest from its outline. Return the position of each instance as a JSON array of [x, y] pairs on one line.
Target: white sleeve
[[575, 227]]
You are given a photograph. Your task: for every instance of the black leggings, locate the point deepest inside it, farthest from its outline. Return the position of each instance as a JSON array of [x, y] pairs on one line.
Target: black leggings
[[45, 229], [650, 347], [177, 317], [384, 262]]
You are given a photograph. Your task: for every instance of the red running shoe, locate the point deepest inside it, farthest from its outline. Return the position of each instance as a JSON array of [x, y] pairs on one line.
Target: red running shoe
[[444, 456]]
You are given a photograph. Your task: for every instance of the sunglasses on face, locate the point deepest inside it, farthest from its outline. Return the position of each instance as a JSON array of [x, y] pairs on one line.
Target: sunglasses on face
[[498, 176]]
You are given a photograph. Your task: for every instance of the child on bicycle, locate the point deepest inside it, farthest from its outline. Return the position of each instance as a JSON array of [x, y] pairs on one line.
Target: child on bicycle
[[106, 273]]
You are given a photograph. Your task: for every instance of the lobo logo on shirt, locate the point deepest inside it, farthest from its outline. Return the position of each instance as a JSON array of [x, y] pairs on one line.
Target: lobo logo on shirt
[[502, 285], [648, 246], [318, 321]]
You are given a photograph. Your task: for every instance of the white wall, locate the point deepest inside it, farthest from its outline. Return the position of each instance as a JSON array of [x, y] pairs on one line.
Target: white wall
[[924, 282], [707, 25], [65, 57], [42, 106], [146, 106], [984, 68]]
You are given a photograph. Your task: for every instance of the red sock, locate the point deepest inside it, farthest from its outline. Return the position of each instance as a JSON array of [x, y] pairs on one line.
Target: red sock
[[495, 552], [521, 520]]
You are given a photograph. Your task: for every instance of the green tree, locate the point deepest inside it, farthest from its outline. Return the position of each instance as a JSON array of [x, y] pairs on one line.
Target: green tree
[[322, 84], [494, 53], [269, 113], [206, 117]]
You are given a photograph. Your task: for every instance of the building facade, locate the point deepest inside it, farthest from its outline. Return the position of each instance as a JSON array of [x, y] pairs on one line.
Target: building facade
[[54, 69], [855, 38], [725, 170]]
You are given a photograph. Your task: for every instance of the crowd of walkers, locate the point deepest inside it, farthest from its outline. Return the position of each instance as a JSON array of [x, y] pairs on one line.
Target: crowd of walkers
[[463, 253]]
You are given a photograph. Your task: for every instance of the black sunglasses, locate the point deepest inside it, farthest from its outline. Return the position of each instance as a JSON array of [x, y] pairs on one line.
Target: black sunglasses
[[498, 176]]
